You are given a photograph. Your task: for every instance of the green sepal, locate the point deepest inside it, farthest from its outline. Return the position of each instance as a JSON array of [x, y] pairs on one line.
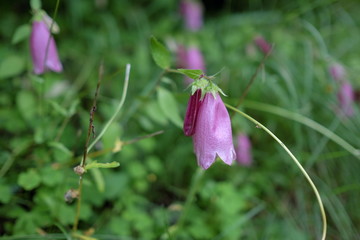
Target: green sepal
[[192, 73]]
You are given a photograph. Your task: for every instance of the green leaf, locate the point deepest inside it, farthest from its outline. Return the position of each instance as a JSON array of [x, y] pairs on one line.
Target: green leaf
[[5, 194], [29, 179], [169, 106], [21, 33], [61, 147], [35, 4], [12, 66], [99, 179], [95, 164], [160, 54], [192, 73], [26, 104], [51, 176], [57, 108], [154, 111]]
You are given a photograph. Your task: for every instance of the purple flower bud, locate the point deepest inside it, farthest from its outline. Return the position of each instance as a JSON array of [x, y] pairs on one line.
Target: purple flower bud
[[264, 46], [337, 71], [213, 136], [191, 113], [243, 150], [38, 45], [346, 98], [192, 12]]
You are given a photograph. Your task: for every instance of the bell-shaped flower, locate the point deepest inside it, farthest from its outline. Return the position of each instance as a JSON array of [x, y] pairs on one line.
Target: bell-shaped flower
[[211, 129], [346, 98], [243, 150], [192, 12], [43, 49], [264, 46], [337, 71]]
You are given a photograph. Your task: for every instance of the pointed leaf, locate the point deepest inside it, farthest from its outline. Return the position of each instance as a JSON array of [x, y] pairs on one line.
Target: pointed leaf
[[12, 66], [169, 106], [21, 33], [160, 54], [192, 73], [95, 164]]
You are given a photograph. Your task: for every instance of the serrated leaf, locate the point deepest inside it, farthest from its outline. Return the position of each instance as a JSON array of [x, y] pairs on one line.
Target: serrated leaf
[[21, 33], [95, 164], [160, 53], [29, 179], [11, 66], [169, 106], [191, 73]]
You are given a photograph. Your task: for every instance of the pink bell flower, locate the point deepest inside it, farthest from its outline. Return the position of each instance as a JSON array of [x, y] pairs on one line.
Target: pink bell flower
[[211, 129], [39, 45], [346, 98], [192, 12], [337, 71], [264, 46], [243, 150]]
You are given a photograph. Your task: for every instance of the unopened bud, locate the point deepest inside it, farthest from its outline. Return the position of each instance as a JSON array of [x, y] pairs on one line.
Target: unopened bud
[[70, 195], [79, 170]]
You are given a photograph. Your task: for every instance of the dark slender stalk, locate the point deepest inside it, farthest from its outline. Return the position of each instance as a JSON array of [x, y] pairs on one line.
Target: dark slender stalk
[[83, 160], [252, 79]]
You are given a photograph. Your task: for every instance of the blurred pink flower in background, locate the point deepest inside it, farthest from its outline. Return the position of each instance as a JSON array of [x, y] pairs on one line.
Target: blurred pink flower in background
[[264, 46], [41, 47], [337, 71], [243, 150], [346, 98], [212, 134], [192, 12], [190, 58]]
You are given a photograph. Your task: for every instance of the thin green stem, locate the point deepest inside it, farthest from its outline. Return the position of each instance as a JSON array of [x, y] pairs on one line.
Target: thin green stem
[[78, 206], [306, 121], [258, 124], [253, 77], [121, 103]]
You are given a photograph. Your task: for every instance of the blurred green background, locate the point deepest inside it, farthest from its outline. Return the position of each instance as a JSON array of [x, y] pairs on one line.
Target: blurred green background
[[44, 120]]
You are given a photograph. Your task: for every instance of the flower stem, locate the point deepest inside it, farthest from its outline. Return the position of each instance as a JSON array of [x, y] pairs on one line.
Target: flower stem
[[83, 160], [258, 124]]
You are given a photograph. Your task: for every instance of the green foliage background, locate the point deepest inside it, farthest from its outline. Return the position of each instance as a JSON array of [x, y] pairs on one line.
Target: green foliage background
[[44, 119]]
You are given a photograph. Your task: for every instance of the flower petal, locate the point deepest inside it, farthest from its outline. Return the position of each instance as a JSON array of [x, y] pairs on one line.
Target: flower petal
[[213, 135]]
